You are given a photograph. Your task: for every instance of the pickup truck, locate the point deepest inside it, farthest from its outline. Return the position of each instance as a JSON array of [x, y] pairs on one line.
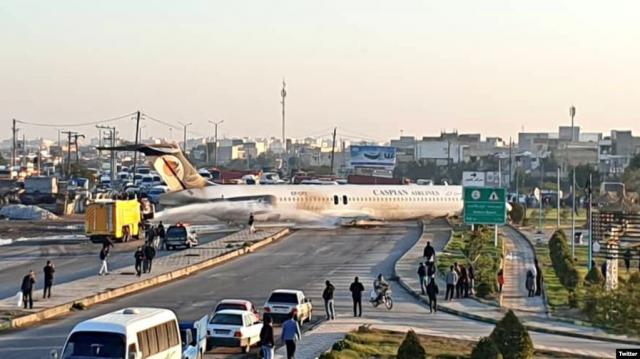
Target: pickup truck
[[283, 302], [194, 338]]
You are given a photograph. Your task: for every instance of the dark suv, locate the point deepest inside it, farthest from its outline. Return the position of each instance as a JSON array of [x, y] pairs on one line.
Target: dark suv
[[180, 235]]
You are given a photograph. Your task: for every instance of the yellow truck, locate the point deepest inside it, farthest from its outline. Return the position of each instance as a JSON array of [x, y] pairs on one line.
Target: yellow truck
[[115, 220]]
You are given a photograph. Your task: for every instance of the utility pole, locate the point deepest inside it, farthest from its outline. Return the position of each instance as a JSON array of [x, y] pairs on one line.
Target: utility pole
[[510, 164], [111, 139], [13, 146], [215, 142], [558, 198], [75, 142], [135, 153], [68, 164], [333, 148], [590, 223], [540, 200], [184, 127], [283, 94], [573, 215]]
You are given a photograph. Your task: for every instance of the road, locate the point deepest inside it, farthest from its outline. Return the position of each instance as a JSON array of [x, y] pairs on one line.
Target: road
[[73, 257], [303, 260]]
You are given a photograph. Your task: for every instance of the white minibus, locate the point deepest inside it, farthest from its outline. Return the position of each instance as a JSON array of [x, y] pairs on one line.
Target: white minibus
[[131, 333]]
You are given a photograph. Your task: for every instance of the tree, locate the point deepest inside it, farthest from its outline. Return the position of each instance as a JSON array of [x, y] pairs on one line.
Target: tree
[[512, 338], [631, 179], [411, 347], [3, 162], [486, 349], [594, 277], [634, 164]]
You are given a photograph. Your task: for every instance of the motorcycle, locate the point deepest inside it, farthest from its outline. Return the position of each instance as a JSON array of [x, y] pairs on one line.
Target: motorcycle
[[384, 299]]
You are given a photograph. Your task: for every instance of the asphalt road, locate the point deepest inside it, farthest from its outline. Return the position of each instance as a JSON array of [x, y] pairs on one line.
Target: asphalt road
[[303, 260], [74, 258]]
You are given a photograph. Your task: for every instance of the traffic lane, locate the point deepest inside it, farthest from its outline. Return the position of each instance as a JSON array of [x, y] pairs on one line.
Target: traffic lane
[[303, 260], [72, 261]]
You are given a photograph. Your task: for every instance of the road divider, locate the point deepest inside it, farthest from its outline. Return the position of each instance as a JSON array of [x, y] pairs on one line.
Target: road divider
[[176, 266]]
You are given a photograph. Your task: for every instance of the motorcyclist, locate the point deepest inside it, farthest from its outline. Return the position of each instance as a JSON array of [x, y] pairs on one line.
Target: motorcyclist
[[380, 286]]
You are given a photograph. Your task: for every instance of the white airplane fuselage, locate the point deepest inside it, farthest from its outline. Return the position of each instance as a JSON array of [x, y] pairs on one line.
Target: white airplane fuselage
[[315, 202]]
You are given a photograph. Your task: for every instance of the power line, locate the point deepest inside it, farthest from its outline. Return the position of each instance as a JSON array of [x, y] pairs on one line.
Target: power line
[[92, 123]]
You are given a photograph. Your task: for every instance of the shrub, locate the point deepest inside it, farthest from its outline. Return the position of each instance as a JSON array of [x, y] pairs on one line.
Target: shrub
[[339, 345], [563, 263], [511, 338], [517, 213], [485, 288], [486, 349], [594, 277], [411, 347]]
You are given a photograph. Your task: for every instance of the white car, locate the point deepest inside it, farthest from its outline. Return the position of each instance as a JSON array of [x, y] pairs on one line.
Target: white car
[[233, 328], [283, 302]]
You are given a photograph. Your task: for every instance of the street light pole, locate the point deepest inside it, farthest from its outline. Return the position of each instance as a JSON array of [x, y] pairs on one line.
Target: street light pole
[[215, 141], [558, 198], [573, 215]]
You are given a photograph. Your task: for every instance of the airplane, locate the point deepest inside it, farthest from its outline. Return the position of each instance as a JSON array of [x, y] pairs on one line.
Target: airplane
[[342, 204]]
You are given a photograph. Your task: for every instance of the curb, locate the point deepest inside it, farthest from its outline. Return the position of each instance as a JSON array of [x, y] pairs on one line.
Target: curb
[[479, 318], [144, 284]]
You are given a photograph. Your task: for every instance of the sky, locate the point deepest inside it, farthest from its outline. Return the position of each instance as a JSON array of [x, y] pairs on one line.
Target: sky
[[373, 69]]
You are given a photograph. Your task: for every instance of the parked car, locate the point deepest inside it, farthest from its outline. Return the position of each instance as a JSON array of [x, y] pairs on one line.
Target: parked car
[[283, 302], [233, 328], [155, 192], [239, 304], [180, 235]]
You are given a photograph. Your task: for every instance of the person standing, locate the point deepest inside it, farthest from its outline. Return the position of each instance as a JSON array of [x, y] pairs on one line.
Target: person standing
[[500, 280], [539, 278], [329, 305], [432, 293], [104, 254], [464, 282], [456, 268], [530, 284], [139, 257], [28, 282], [149, 253], [160, 233], [252, 229], [290, 334], [266, 338], [422, 277], [356, 288], [48, 270], [451, 279], [429, 253], [431, 270], [627, 259], [472, 277]]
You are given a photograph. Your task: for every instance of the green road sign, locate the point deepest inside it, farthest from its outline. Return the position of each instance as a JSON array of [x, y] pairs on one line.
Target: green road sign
[[485, 205]]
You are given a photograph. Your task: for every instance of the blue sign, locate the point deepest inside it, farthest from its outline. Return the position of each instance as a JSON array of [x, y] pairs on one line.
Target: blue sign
[[373, 156]]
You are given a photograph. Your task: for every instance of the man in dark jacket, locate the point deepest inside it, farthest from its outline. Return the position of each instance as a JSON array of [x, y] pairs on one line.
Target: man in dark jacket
[[356, 289], [422, 277], [139, 257], [149, 253], [539, 277], [161, 234], [329, 305], [429, 253], [28, 282], [432, 293], [48, 279], [266, 338]]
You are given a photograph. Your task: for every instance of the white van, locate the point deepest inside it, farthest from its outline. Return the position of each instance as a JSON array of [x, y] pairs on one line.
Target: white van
[[131, 333]]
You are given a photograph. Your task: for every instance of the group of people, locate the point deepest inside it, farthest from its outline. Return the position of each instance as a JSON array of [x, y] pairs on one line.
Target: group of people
[[426, 277], [29, 282], [380, 286], [461, 280], [144, 258]]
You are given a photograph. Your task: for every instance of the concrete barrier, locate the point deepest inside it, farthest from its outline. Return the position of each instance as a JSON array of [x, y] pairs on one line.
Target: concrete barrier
[[109, 294]]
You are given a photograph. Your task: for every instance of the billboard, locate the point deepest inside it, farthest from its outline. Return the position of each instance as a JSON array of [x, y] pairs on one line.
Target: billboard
[[373, 156], [472, 179]]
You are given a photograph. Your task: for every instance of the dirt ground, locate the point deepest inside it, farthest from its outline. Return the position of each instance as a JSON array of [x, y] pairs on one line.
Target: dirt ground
[[12, 229]]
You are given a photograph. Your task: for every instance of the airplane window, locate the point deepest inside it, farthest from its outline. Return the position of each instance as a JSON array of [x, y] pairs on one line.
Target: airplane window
[[335, 200], [344, 200]]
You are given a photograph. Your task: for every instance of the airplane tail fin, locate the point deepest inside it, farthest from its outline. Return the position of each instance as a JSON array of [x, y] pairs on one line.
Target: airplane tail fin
[[174, 168]]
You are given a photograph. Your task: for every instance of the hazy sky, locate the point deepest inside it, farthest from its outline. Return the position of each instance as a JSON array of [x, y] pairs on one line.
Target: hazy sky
[[372, 68]]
